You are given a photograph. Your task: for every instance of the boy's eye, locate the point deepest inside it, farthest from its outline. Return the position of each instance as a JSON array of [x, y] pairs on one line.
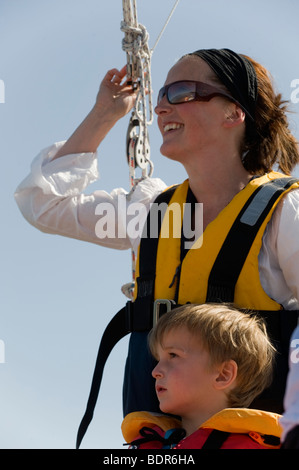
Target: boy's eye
[[172, 354]]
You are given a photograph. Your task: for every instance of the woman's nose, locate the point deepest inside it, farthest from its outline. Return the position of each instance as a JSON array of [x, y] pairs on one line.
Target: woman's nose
[[163, 107]]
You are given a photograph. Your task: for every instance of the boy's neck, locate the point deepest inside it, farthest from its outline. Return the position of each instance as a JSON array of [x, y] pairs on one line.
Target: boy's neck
[[192, 423]]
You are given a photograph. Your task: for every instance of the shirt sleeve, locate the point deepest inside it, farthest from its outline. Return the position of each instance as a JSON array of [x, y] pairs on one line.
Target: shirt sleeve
[[290, 418], [279, 255], [52, 199], [288, 241]]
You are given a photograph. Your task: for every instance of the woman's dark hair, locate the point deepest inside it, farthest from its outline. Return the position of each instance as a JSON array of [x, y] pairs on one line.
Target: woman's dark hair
[[271, 142]]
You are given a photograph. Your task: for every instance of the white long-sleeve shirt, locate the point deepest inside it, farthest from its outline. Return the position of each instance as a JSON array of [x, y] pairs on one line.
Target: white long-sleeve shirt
[[290, 417], [51, 198]]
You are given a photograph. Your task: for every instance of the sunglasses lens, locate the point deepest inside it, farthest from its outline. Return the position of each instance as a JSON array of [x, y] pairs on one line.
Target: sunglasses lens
[[185, 91], [161, 95], [181, 92]]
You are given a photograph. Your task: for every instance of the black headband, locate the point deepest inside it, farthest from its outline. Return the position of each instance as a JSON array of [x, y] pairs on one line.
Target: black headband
[[236, 73]]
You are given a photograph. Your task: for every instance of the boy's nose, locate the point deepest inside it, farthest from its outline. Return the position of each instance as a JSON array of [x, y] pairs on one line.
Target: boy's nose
[[156, 372]]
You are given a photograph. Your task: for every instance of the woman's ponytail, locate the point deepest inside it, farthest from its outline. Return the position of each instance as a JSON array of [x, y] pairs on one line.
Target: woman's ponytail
[[270, 142]]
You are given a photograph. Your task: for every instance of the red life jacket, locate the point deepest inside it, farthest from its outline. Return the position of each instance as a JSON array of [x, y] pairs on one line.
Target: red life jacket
[[238, 428]]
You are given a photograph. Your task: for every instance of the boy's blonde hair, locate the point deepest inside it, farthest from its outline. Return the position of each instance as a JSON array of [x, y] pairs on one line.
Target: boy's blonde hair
[[226, 333]]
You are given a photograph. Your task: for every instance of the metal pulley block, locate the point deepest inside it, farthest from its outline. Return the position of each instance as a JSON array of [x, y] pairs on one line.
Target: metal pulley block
[[138, 147]]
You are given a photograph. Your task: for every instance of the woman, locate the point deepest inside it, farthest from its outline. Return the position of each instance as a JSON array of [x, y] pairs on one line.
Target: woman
[[220, 118]]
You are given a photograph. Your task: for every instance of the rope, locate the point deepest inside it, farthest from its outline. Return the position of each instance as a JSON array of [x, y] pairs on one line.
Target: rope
[[135, 44]]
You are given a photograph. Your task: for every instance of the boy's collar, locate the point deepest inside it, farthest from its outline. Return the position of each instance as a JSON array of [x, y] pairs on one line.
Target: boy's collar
[[235, 420]]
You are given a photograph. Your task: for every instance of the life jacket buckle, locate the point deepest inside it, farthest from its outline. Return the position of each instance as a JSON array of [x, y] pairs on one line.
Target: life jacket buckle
[[169, 304]]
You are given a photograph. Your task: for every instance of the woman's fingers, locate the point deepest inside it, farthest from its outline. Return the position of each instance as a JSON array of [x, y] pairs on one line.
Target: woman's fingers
[[115, 76]]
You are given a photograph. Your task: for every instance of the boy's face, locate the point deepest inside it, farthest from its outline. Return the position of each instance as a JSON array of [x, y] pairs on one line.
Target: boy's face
[[184, 376]]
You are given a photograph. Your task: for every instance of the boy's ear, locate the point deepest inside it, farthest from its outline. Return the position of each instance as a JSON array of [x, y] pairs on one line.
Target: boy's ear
[[227, 374]]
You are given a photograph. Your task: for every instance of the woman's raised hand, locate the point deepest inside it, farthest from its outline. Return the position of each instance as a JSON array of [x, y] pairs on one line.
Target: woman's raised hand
[[116, 97]]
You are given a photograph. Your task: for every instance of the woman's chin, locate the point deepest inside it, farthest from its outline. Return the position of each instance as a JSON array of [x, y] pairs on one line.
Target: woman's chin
[[169, 152]]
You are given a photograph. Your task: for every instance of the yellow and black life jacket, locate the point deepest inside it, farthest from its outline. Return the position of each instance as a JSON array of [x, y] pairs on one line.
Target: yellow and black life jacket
[[223, 268], [222, 265]]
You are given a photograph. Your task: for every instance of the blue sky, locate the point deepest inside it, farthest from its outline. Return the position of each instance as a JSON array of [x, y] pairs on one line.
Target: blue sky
[[58, 294]]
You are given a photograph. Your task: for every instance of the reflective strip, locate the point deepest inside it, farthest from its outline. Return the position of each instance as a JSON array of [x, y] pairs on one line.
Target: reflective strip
[[262, 198]]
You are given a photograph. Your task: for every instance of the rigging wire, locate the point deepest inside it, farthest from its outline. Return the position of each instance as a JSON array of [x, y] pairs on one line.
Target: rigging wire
[[165, 25]]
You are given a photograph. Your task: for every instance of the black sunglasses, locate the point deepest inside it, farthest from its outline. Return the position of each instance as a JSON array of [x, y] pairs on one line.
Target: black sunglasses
[[184, 91]]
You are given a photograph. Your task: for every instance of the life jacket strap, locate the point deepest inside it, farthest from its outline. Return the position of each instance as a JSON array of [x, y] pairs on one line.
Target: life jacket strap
[[215, 439], [115, 330], [222, 281]]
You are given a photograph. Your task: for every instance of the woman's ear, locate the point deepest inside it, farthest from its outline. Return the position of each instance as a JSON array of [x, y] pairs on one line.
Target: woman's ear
[[234, 116], [227, 374]]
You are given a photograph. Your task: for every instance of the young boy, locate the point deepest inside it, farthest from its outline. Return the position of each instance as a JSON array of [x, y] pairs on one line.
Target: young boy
[[213, 360]]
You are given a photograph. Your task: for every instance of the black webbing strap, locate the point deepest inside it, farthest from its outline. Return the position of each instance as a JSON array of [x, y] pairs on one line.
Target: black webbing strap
[[147, 262], [280, 325], [230, 260], [149, 247], [215, 439], [135, 316], [116, 330], [149, 242]]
